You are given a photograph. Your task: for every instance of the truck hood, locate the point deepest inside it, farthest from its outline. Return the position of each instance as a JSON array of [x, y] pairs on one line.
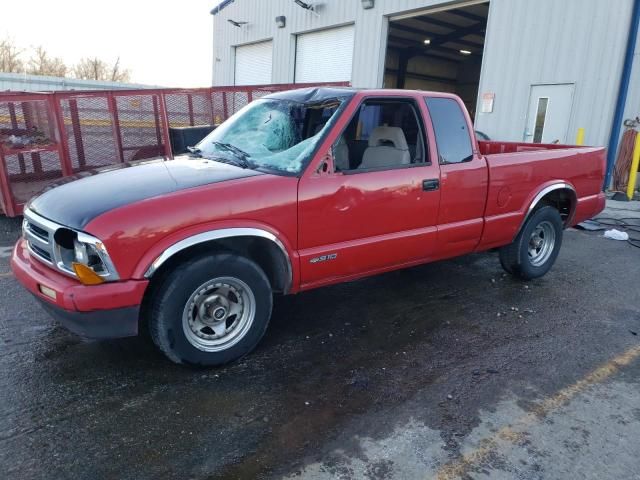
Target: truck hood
[[77, 200]]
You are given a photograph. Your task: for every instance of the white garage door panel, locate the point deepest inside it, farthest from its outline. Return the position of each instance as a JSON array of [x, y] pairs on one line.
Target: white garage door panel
[[325, 56], [253, 64]]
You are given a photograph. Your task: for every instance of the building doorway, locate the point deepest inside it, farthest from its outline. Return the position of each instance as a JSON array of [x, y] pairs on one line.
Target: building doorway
[[549, 113], [439, 50]]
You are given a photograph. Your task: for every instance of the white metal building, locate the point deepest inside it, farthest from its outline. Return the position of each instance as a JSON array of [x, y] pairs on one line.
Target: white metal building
[[529, 70], [20, 82]]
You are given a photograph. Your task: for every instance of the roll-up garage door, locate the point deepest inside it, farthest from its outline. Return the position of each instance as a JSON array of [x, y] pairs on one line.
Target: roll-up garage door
[[253, 64], [324, 56]]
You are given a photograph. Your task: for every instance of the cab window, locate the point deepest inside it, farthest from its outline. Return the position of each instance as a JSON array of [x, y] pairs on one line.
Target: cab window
[[383, 134], [451, 130]]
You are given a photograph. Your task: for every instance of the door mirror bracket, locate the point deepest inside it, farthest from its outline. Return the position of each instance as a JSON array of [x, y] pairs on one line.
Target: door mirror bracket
[[326, 164]]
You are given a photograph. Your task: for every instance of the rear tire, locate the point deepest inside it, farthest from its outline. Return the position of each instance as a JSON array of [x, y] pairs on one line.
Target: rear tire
[[535, 249], [210, 310]]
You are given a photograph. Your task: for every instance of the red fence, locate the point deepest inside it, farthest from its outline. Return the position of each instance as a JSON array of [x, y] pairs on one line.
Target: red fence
[[47, 136]]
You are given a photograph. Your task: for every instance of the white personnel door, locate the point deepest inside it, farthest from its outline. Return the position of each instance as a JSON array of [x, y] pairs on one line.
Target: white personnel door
[[549, 113], [253, 64], [325, 56]]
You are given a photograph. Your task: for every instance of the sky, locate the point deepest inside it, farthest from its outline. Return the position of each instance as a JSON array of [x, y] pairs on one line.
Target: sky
[[162, 42]]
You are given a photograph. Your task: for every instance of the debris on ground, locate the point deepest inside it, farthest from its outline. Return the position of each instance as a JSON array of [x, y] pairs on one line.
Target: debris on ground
[[614, 234], [591, 226], [623, 229]]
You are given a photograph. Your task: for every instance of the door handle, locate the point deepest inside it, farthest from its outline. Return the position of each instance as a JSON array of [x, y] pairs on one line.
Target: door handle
[[430, 185]]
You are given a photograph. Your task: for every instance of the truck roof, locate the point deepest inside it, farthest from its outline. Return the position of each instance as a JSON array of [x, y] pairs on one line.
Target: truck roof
[[314, 94], [321, 94]]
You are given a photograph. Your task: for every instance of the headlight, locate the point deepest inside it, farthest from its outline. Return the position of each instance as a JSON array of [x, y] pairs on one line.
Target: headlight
[[80, 252], [73, 253], [85, 256], [90, 254]]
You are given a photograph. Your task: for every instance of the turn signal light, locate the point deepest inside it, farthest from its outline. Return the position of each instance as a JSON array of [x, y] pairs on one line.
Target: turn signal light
[[86, 275]]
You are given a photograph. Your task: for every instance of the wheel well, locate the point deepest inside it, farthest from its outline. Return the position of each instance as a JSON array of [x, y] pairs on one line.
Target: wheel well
[[563, 199], [262, 251]]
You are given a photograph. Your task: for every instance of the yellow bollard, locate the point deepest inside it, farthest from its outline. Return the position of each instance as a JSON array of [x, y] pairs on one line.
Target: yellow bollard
[[580, 137], [633, 174]]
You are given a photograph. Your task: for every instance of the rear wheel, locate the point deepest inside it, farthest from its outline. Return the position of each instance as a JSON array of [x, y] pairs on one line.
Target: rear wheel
[[535, 249], [211, 310]]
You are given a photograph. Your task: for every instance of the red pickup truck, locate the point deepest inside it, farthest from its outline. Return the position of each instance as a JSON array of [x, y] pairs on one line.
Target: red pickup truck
[[298, 190]]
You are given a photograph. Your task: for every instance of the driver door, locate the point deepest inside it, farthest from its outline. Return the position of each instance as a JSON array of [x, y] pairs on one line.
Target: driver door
[[370, 204]]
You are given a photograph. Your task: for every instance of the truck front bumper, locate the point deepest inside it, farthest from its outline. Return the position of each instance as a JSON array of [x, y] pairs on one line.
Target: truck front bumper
[[109, 310]]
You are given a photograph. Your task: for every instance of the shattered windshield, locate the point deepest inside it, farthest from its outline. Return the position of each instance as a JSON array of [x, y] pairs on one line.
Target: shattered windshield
[[272, 134]]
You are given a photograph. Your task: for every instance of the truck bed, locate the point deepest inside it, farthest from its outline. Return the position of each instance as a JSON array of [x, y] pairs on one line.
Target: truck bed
[[518, 171], [525, 167]]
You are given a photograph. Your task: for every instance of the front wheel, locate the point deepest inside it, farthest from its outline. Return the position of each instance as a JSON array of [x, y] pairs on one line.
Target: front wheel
[[535, 249], [211, 310]]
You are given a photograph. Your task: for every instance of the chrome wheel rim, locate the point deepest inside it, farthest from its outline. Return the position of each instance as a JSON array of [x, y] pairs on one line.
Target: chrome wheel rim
[[541, 243], [218, 314]]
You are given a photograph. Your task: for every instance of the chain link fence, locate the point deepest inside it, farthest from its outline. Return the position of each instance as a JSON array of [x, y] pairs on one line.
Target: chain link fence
[[45, 137]]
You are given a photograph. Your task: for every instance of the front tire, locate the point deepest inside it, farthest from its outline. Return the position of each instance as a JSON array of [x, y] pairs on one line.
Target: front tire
[[211, 310], [535, 249]]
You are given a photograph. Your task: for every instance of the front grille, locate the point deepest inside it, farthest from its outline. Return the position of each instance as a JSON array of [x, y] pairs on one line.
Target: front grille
[[41, 252], [38, 232], [39, 235]]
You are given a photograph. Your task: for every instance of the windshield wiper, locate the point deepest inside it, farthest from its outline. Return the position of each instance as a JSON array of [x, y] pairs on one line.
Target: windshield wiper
[[195, 151], [231, 148], [240, 156], [238, 162], [237, 152]]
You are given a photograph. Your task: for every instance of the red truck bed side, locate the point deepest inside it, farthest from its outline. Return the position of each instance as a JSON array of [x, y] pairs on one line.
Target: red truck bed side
[[520, 171]]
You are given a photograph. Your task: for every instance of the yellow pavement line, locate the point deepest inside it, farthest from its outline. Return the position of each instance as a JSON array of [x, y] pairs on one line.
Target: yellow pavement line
[[510, 434], [106, 122], [6, 274]]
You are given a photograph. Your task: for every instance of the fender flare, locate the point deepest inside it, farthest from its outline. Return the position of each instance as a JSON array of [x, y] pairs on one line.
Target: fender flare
[[544, 192], [219, 235]]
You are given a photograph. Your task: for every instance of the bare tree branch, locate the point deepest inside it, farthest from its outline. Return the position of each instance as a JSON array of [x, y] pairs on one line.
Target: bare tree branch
[[93, 68], [41, 63], [114, 70], [10, 61], [119, 74]]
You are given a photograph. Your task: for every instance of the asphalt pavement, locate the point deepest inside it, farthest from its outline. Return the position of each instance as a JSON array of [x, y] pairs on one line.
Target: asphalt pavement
[[450, 370]]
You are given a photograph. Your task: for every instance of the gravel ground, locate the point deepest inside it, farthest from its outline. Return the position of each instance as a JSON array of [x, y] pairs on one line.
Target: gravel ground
[[450, 370]]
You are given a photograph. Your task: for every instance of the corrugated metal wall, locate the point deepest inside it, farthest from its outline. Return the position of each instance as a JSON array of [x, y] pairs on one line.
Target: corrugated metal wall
[[261, 16], [547, 41], [528, 42], [18, 82], [370, 37]]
